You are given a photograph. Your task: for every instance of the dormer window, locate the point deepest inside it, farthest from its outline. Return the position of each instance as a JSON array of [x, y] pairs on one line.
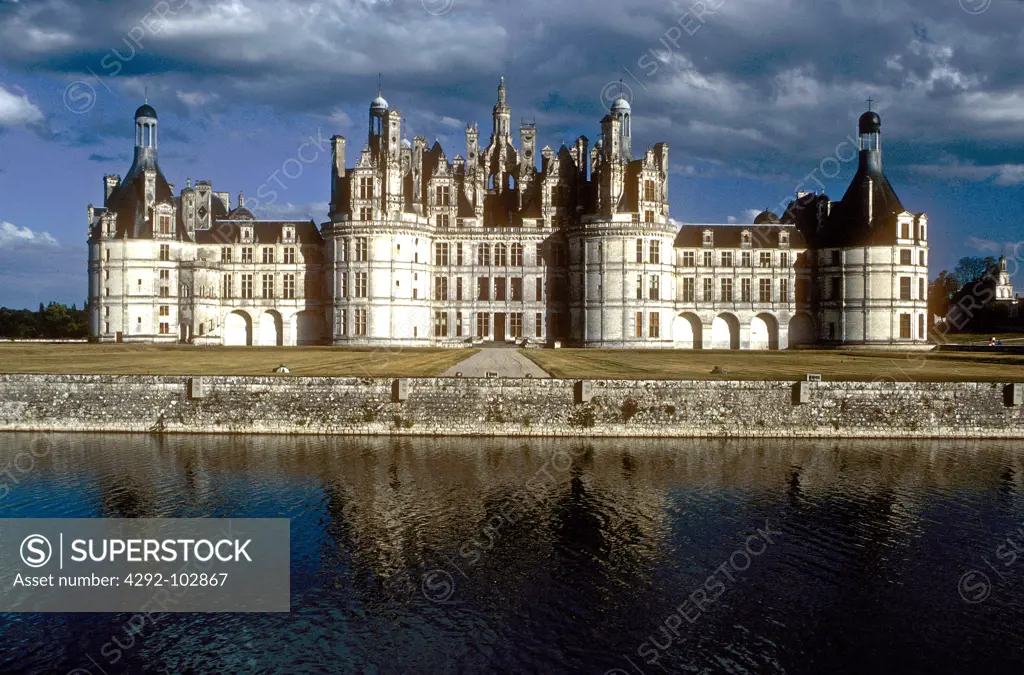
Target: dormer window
[[247, 234], [164, 223], [289, 233], [707, 238], [745, 237], [783, 238]]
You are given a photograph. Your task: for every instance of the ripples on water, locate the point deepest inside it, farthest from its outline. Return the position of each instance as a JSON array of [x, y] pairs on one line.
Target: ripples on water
[[614, 537]]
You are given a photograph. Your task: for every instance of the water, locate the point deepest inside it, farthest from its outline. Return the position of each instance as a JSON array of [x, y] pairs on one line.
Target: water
[[405, 559]]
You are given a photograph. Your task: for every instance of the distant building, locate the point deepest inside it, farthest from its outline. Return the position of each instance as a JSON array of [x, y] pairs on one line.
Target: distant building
[[421, 250]]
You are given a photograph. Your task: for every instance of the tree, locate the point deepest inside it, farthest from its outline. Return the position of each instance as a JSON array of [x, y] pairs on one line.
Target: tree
[[972, 268], [941, 293]]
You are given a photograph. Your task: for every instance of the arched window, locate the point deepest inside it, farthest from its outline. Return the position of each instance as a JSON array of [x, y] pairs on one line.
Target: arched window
[[483, 255], [499, 255]]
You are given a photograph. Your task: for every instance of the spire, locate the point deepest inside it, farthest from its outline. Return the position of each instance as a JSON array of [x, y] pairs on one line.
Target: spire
[[501, 91]]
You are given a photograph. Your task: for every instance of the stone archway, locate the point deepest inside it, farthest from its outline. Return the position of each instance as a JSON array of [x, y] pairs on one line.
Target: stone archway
[[725, 332], [687, 331], [271, 329], [237, 329], [764, 332], [801, 330]]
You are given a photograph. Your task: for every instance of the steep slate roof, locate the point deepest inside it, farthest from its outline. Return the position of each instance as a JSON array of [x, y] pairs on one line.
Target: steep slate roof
[[691, 235], [847, 224], [128, 200], [264, 231]]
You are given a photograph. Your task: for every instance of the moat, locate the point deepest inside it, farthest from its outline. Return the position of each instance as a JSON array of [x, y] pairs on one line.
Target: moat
[[557, 556]]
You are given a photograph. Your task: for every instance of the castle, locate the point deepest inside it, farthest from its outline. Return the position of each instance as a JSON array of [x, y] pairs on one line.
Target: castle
[[421, 250]]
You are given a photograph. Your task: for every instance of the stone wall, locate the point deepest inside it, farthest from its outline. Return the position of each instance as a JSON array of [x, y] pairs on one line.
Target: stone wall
[[508, 407]]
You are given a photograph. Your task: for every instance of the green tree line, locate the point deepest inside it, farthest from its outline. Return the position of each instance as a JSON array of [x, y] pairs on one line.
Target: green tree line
[[52, 322]]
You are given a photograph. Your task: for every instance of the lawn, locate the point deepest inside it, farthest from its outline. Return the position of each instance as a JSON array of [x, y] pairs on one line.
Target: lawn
[[784, 365], [1009, 339], [110, 359]]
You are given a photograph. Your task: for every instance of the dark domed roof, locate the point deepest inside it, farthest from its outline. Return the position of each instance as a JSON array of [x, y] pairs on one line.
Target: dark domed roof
[[241, 213], [870, 123], [766, 217], [145, 110]]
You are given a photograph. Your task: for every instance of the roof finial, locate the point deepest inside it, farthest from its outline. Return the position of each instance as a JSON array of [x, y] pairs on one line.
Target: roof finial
[[146, 89], [870, 101], [620, 87]]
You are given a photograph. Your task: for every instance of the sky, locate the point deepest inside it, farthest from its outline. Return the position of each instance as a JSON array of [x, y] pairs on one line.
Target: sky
[[756, 99]]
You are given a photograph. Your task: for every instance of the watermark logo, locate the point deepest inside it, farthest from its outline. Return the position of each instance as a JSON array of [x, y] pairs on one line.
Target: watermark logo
[[438, 7], [974, 587], [79, 97], [615, 90], [36, 550], [975, 6]]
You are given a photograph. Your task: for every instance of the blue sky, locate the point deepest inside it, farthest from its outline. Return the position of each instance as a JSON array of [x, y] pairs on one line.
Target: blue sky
[[752, 96]]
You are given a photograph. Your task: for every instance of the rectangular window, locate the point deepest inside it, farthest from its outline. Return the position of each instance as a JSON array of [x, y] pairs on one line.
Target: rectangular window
[[483, 324], [366, 187], [689, 259], [344, 285], [361, 249], [905, 231], [165, 278], [726, 290], [268, 286], [499, 288], [709, 291], [165, 328], [538, 289], [289, 287], [458, 254], [745, 259], [655, 251], [639, 250], [649, 217], [361, 284], [920, 258], [289, 255], [458, 324], [837, 288], [726, 258], [745, 290], [500, 259], [247, 286], [538, 325], [365, 213], [165, 252], [515, 320], [440, 324], [905, 326], [708, 258], [225, 286], [639, 287], [458, 288], [654, 327], [268, 256], [165, 224], [440, 288], [921, 293], [441, 251], [638, 323], [906, 257], [764, 290], [359, 321], [784, 290], [165, 310], [687, 293], [540, 255], [905, 288], [225, 254], [655, 288], [764, 259], [483, 288], [483, 255], [247, 254], [920, 327], [783, 259], [517, 289], [650, 191], [443, 195]]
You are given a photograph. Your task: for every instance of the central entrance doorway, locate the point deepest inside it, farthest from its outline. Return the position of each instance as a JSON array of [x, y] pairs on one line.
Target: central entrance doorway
[[499, 327]]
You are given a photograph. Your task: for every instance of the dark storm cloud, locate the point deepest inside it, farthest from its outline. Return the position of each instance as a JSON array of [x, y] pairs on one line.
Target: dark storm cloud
[[757, 86]]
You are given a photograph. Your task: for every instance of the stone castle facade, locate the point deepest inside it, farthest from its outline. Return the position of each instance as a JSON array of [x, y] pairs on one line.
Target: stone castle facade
[[574, 247]]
